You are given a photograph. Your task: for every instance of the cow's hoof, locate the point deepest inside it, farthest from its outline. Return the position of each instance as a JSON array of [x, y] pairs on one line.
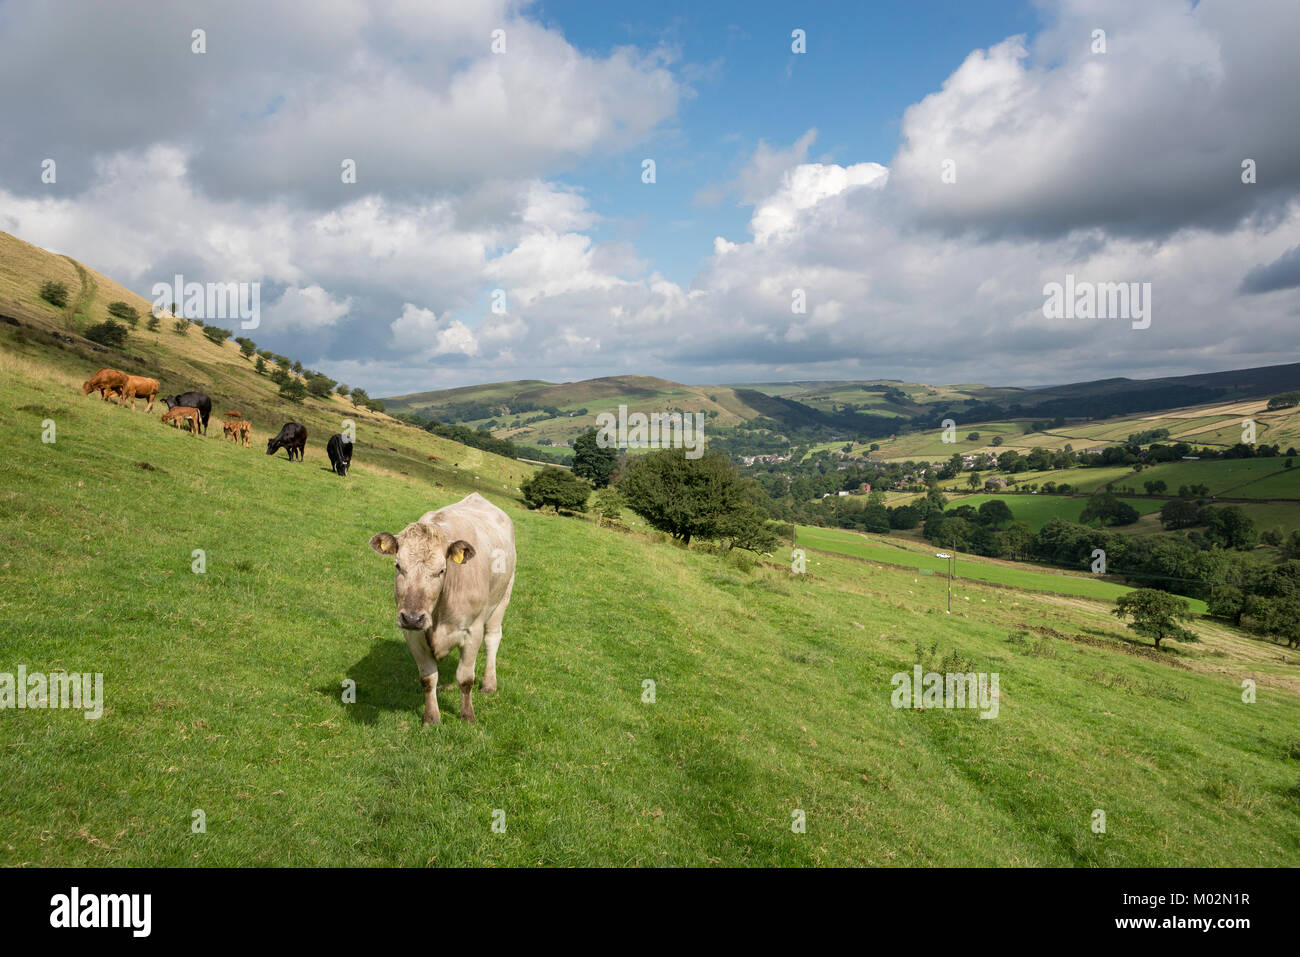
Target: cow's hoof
[[467, 717], [432, 718], [489, 687]]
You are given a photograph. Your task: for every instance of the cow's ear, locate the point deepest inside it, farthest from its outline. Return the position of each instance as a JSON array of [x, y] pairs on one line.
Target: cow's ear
[[384, 544], [460, 551]]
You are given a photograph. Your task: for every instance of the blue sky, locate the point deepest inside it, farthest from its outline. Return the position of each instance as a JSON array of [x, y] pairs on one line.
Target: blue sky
[[865, 64], [779, 176]]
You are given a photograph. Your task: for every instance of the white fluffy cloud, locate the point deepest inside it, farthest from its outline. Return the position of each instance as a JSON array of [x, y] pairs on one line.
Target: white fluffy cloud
[[1122, 166], [307, 309]]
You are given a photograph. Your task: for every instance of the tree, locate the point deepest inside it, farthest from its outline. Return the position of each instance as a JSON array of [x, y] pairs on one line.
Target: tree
[[343, 390], [1179, 513], [319, 385], [181, 327], [592, 462], [609, 505], [1226, 601], [108, 333], [973, 437], [556, 488], [688, 498], [994, 512], [1279, 616], [293, 390], [997, 440], [216, 335], [260, 366], [1105, 507], [1017, 541], [973, 480], [153, 323], [1155, 615], [1229, 527], [246, 346], [124, 311], [55, 293]]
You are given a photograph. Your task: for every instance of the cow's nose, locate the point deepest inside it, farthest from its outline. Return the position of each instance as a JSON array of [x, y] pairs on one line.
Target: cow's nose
[[413, 622]]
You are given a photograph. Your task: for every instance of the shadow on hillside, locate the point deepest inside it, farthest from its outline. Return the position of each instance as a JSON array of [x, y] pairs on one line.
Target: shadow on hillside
[[387, 680]]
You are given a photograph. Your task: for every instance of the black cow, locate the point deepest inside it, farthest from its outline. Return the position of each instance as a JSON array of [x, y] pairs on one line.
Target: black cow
[[195, 400], [292, 438], [340, 453]]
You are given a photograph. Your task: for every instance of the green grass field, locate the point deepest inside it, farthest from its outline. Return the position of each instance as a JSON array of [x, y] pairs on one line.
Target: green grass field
[[1038, 510], [772, 692], [910, 554]]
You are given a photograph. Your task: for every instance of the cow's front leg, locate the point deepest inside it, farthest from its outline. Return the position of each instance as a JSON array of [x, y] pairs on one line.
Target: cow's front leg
[[418, 642], [465, 671], [430, 685]]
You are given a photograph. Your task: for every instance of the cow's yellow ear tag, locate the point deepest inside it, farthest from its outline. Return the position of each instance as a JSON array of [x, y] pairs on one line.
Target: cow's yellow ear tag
[[458, 558], [390, 547]]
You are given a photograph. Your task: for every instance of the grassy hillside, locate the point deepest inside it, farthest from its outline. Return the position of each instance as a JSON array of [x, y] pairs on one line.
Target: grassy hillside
[[772, 690], [49, 340]]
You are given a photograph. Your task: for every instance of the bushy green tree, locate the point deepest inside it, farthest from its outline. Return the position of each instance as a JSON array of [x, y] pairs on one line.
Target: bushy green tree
[[319, 385], [556, 488], [609, 504], [55, 293], [292, 389], [994, 512], [592, 462], [704, 497], [1155, 614], [108, 333], [124, 311]]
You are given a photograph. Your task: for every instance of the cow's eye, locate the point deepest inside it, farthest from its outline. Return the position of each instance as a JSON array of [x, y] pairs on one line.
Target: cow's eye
[[398, 567], [442, 571]]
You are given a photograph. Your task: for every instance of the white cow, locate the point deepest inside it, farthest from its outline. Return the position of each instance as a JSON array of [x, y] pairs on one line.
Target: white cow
[[455, 569]]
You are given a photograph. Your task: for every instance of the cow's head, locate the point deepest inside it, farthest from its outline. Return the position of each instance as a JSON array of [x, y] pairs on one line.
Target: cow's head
[[271, 445], [171, 400], [87, 387], [421, 554]]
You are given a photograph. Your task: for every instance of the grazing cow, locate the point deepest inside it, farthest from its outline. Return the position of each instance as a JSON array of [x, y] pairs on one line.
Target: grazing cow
[[244, 430], [292, 438], [139, 386], [455, 571], [176, 413], [232, 414], [230, 429], [106, 382], [195, 400], [339, 450]]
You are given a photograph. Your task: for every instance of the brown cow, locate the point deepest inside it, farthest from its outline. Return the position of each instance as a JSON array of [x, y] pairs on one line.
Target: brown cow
[[176, 413], [229, 428], [140, 386], [232, 414], [106, 382]]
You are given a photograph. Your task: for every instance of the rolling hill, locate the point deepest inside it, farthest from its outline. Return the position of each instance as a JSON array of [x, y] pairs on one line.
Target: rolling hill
[[901, 418], [658, 705]]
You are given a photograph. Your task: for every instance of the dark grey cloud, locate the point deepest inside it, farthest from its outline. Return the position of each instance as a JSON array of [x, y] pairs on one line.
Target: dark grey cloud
[[1282, 273]]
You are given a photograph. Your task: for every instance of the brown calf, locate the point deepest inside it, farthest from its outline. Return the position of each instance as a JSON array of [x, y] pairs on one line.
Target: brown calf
[[176, 413]]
